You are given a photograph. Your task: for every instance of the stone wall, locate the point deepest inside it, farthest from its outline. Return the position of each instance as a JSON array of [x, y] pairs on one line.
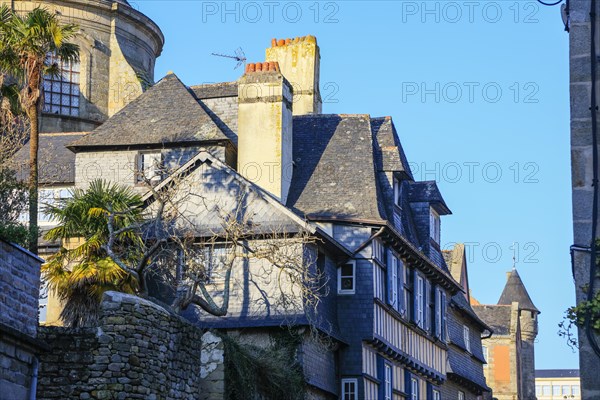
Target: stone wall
[[138, 351], [582, 173], [19, 292]]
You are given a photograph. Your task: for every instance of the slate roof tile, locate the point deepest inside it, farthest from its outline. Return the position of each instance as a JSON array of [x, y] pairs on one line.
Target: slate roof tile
[[168, 112], [514, 290]]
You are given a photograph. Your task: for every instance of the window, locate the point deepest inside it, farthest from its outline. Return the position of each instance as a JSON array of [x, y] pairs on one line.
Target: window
[[555, 390], [149, 166], [461, 395], [438, 312], [436, 395], [546, 390], [393, 282], [420, 301], [346, 278], [405, 271], [538, 390], [378, 251], [349, 389], [434, 225], [485, 354], [398, 193], [414, 389], [566, 390], [48, 198], [575, 390], [387, 382], [61, 92], [467, 338]]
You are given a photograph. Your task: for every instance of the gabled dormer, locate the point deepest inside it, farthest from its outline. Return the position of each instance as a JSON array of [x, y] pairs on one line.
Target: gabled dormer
[[428, 205]]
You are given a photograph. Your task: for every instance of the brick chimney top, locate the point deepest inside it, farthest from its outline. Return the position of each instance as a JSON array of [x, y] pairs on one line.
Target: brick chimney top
[[288, 41], [267, 66]]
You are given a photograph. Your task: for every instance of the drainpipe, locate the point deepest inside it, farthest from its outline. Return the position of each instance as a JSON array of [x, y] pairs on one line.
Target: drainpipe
[[34, 378]]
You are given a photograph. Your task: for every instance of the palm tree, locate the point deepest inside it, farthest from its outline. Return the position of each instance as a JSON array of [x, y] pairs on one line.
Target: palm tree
[[26, 41], [80, 273]]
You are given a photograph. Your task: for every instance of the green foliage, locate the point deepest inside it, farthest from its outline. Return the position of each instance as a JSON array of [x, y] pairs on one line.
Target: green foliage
[[13, 202], [81, 271], [271, 373], [583, 314]]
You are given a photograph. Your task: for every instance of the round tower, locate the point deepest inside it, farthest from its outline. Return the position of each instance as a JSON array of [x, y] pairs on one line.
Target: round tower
[[118, 49], [515, 291]]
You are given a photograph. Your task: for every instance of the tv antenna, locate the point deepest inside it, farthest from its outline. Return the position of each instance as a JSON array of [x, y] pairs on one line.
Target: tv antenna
[[240, 57]]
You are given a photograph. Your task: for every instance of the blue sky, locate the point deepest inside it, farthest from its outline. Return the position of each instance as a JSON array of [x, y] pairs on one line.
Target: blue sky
[[479, 95]]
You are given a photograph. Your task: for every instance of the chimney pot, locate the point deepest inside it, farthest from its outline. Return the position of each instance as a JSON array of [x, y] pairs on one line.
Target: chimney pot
[[273, 42], [251, 67], [281, 42], [288, 41], [259, 67]]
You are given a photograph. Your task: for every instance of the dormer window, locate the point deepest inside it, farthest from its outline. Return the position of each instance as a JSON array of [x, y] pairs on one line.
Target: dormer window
[[434, 225]]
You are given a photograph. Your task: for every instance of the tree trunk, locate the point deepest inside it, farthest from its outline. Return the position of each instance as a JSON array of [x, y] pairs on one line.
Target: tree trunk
[[33, 178]]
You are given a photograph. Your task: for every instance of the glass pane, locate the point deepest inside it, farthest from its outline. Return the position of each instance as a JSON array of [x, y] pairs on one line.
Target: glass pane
[[66, 88], [575, 390], [75, 67], [56, 86], [47, 85], [347, 284], [65, 101], [75, 77], [65, 111], [74, 112], [555, 390], [75, 101], [55, 99], [566, 390], [75, 90], [55, 109], [347, 270]]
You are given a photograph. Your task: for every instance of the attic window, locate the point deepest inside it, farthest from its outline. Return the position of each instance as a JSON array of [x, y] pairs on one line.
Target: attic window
[[467, 338], [398, 193], [61, 92], [148, 167], [434, 225]]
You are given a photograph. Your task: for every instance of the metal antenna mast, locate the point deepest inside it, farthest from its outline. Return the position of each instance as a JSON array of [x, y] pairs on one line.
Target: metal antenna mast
[[240, 57]]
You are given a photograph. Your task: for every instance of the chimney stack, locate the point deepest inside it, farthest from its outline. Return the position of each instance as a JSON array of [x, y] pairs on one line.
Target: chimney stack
[[300, 62], [265, 128]]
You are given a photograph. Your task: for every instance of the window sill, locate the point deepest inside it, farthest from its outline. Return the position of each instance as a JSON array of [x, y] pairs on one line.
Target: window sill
[[346, 293]]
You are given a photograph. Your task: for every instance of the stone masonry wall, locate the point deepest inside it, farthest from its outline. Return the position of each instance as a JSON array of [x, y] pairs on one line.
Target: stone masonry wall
[[138, 351], [19, 292], [19, 289]]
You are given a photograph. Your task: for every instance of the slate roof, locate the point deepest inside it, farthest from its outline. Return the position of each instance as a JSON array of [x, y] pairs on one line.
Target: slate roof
[[515, 291], [166, 113], [557, 373], [496, 317], [427, 191], [463, 305], [389, 154], [334, 175], [215, 90], [56, 162]]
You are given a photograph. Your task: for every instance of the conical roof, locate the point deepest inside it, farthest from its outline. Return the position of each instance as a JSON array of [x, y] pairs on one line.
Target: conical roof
[[515, 291]]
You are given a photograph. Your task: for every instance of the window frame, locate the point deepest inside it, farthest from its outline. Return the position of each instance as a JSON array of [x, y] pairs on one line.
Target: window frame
[[388, 387], [420, 300], [352, 395], [461, 395], [467, 338], [434, 225], [438, 312], [393, 281], [70, 75], [353, 276], [414, 388], [397, 193], [437, 395], [139, 167]]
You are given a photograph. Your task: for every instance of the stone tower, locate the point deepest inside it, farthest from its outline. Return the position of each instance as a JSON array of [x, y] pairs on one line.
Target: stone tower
[[515, 292], [118, 49]]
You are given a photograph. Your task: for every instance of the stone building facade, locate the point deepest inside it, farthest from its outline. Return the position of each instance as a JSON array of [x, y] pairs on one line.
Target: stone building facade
[[510, 351], [118, 49], [583, 130], [19, 346]]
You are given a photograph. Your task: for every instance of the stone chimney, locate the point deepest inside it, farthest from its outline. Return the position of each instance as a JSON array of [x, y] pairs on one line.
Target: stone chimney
[[300, 62], [265, 128]]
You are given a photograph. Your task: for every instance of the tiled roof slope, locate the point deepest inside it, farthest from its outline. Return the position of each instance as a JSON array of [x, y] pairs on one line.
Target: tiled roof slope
[[515, 291], [557, 373], [334, 173], [56, 162], [165, 113], [496, 317]]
